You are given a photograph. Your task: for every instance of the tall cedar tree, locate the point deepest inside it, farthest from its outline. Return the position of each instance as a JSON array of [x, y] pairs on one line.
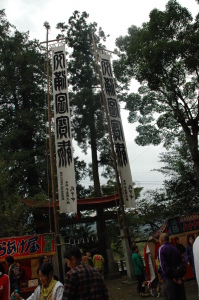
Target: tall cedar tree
[[87, 117], [163, 55], [23, 159], [22, 100]]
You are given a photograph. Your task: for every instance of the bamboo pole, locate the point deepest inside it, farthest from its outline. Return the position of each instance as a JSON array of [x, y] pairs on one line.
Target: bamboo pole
[[111, 141], [56, 222], [126, 239]]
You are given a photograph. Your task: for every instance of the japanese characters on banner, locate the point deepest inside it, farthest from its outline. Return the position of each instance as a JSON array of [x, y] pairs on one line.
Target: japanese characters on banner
[[25, 246], [183, 224], [63, 138], [179, 225], [117, 131]]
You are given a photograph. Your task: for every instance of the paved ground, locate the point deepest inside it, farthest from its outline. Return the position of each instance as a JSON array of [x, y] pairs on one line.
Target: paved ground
[[123, 289]]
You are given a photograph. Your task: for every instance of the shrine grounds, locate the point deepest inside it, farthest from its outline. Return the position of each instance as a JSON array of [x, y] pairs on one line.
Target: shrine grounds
[[124, 289]]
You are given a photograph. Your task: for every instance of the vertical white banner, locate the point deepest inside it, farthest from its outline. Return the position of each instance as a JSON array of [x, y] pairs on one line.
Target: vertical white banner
[[117, 131], [63, 138]]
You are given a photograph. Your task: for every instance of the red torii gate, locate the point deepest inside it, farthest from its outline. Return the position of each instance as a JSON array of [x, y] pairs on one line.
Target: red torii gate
[[82, 204]]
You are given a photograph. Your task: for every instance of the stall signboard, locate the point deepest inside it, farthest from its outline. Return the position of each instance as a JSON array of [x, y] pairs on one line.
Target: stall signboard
[[175, 226], [26, 246], [183, 224]]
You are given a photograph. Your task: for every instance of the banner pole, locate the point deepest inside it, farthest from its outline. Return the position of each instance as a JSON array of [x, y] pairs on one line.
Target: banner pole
[[57, 235]]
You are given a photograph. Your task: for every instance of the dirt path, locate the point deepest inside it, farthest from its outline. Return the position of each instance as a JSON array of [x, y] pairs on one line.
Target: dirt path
[[123, 289]]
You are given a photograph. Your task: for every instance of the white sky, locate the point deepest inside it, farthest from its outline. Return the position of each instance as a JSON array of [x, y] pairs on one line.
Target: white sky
[[115, 17]]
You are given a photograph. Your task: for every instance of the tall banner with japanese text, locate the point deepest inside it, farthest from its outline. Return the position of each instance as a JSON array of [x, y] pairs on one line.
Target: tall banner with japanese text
[[117, 131], [63, 138]]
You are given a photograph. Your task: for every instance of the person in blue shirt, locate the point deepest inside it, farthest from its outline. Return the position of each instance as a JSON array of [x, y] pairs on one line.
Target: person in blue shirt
[[189, 254]]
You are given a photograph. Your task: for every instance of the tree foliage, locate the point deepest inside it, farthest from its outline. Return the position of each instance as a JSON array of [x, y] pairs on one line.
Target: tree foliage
[[15, 217], [114, 225], [164, 57], [181, 191], [22, 127], [87, 116], [81, 172], [22, 114], [87, 113], [81, 234], [178, 197]]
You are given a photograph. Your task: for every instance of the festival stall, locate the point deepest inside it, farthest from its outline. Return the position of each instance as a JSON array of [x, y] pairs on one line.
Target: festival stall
[[181, 227], [27, 250]]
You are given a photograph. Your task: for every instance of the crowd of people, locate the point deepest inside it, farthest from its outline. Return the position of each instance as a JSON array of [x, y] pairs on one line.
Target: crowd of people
[[173, 260], [83, 278], [84, 274]]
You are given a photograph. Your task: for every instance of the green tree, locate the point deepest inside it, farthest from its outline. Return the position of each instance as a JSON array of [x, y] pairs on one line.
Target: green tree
[[151, 213], [181, 191], [80, 234], [81, 172], [164, 57], [179, 196], [15, 217], [114, 225], [87, 115], [23, 138], [22, 113]]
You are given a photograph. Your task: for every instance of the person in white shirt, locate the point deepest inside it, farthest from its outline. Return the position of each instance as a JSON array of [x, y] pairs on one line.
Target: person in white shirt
[[49, 288]]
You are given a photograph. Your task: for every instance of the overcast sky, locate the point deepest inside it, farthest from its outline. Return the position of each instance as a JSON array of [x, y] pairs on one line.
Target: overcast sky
[[115, 17]]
